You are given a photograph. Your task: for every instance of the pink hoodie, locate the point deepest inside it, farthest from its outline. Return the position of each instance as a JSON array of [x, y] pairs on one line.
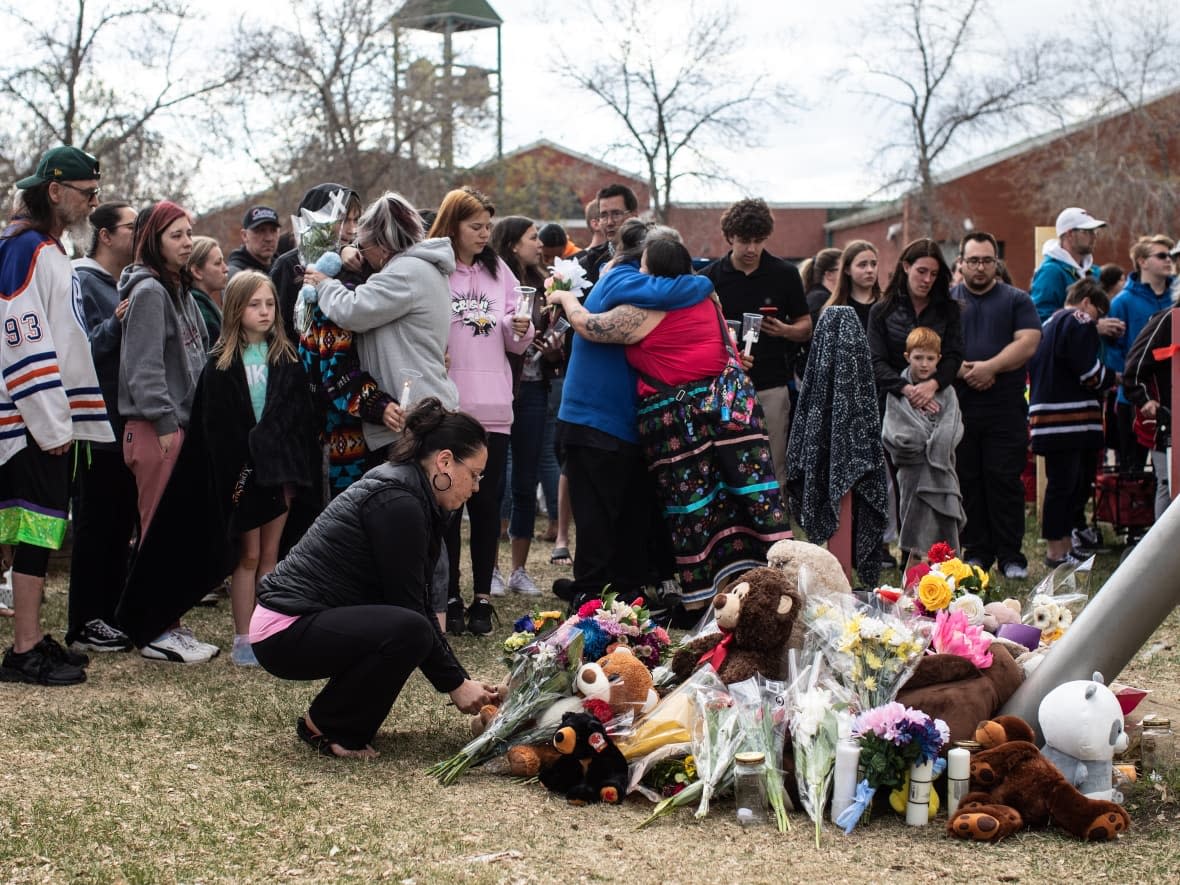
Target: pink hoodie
[[479, 341]]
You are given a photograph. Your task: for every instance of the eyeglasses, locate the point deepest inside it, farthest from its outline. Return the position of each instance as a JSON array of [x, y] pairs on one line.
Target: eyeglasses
[[90, 193], [1162, 256], [979, 262], [476, 477]]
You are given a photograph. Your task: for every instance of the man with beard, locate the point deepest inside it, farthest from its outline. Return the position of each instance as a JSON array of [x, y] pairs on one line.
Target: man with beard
[[49, 398], [1001, 332]]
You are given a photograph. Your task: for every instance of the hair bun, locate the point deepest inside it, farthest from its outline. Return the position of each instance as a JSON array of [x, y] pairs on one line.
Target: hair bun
[[425, 417]]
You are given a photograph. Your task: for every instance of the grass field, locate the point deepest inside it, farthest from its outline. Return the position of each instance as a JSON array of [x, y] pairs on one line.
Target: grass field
[[161, 773]]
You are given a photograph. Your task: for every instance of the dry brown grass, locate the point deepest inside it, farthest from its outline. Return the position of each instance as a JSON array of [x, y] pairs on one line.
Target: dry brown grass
[[160, 773]]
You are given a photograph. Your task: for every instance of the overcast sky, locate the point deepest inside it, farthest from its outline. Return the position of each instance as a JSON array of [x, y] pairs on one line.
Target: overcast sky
[[823, 151]]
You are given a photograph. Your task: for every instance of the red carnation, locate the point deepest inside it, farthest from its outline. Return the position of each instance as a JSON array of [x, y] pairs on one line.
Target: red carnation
[[915, 574], [940, 551], [638, 603], [599, 709], [588, 609]]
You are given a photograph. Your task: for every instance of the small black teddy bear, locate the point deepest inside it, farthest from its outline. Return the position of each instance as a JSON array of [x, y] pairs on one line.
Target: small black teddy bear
[[591, 767]]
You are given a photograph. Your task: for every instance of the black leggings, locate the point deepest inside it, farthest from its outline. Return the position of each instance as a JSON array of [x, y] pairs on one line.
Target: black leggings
[[484, 509], [366, 652], [1066, 482]]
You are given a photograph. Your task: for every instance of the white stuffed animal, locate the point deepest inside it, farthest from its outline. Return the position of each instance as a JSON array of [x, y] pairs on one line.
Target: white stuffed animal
[[1083, 727]]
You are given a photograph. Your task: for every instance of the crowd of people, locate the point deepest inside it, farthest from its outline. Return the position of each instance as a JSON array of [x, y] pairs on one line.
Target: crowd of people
[[312, 442]]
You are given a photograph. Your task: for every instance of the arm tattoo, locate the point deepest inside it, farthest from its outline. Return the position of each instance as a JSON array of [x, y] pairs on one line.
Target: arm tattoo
[[618, 325]]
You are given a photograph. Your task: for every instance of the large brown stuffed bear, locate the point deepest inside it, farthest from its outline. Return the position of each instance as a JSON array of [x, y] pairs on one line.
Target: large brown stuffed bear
[[754, 616], [1013, 786]]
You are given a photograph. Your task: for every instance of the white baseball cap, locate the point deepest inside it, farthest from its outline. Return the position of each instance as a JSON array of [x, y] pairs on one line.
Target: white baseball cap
[[1074, 218]]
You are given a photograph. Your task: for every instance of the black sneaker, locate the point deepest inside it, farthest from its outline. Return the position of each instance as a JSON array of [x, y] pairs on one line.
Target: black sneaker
[[39, 666], [98, 635], [58, 652], [455, 618], [479, 616]]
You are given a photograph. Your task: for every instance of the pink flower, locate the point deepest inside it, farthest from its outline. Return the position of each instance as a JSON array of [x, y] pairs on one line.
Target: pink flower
[[954, 635]]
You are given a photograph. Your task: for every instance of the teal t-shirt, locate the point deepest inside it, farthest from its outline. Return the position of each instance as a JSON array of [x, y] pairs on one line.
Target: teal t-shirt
[[254, 362]]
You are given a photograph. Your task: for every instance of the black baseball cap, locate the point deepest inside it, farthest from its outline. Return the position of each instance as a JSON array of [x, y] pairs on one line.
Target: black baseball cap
[[256, 216]]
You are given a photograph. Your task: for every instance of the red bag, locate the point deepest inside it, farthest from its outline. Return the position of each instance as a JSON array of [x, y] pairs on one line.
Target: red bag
[[1125, 500]]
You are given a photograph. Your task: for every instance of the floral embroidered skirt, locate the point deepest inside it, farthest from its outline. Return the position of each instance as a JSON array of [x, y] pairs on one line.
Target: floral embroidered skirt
[[706, 443]]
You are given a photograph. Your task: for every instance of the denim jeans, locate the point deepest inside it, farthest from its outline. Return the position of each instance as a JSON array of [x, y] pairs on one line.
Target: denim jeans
[[528, 431]]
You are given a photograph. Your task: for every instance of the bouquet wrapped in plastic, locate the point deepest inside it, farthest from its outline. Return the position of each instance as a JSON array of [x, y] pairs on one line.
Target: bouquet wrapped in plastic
[[541, 674], [870, 652], [716, 740], [816, 706], [315, 237], [762, 715], [1057, 599]]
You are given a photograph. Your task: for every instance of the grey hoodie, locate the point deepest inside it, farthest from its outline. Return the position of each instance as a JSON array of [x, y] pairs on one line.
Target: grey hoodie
[[164, 350], [403, 316]]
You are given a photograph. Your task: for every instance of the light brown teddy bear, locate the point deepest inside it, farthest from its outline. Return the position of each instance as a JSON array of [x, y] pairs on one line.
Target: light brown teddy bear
[[826, 574]]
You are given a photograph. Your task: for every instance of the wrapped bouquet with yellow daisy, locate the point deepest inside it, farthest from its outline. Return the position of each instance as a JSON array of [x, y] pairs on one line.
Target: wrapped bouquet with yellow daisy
[[871, 651]]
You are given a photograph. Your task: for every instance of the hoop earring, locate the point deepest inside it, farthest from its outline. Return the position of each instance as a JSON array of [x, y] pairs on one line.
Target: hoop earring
[[437, 487]]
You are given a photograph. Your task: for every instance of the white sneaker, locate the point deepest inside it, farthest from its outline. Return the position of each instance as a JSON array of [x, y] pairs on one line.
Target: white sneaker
[[213, 650], [178, 647], [497, 588], [520, 582]]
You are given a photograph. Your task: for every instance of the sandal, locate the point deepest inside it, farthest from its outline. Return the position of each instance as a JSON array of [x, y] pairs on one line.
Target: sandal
[[317, 742], [560, 556]]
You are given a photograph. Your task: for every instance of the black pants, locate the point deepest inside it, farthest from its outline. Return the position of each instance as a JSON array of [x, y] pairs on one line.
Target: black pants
[[1132, 456], [1067, 481], [366, 652], [484, 509], [105, 515], [989, 461], [612, 500]]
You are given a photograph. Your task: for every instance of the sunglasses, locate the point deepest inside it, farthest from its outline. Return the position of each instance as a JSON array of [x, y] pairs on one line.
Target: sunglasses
[[1162, 256], [90, 193]]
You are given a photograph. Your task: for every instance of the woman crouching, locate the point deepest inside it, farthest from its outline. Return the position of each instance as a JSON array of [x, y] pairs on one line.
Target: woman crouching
[[351, 601]]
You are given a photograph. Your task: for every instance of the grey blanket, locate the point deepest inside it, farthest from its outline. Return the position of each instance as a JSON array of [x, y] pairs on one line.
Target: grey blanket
[[835, 443], [922, 447]]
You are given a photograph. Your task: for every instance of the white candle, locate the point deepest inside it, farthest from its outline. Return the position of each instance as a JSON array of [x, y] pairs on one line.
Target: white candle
[[847, 762], [958, 777], [917, 808]]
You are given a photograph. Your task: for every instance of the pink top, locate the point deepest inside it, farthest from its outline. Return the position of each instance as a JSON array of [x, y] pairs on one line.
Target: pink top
[[266, 623], [686, 345]]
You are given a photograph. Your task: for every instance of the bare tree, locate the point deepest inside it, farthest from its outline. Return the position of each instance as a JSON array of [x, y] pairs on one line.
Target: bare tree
[[1124, 160], [58, 92], [676, 102], [319, 100], [943, 77]]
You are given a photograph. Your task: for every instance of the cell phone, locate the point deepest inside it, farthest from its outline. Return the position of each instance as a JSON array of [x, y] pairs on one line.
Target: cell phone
[[769, 310]]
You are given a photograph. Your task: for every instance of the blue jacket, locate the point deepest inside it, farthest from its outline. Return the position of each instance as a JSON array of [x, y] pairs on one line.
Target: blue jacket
[[600, 386], [1135, 305], [1050, 281]]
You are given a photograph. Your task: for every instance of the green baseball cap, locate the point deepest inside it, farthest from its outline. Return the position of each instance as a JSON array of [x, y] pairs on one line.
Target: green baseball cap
[[63, 163]]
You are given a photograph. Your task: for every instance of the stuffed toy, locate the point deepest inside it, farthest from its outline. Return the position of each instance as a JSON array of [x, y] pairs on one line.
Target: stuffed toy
[[826, 575], [996, 614], [1082, 722], [754, 619], [590, 767], [616, 684], [951, 688], [1014, 786]]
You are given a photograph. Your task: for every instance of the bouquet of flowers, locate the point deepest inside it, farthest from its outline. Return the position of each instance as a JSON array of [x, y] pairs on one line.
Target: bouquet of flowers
[[670, 775], [815, 731], [955, 635], [602, 622], [542, 674], [716, 739], [870, 653], [949, 583], [762, 716], [566, 275], [893, 738], [315, 236], [1058, 599]]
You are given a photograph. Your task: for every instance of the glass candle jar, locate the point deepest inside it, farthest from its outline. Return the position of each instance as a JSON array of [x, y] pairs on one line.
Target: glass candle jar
[[749, 788], [1157, 745]]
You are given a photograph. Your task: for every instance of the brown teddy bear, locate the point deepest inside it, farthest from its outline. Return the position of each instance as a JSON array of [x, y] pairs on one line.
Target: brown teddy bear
[[1013, 786], [754, 616]]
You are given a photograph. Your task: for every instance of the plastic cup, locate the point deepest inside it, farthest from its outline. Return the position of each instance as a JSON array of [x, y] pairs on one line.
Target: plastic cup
[[751, 326], [524, 304], [408, 376], [735, 329]]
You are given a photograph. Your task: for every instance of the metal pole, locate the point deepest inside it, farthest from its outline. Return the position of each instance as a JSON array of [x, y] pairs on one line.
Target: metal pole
[[1116, 623], [499, 99]]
